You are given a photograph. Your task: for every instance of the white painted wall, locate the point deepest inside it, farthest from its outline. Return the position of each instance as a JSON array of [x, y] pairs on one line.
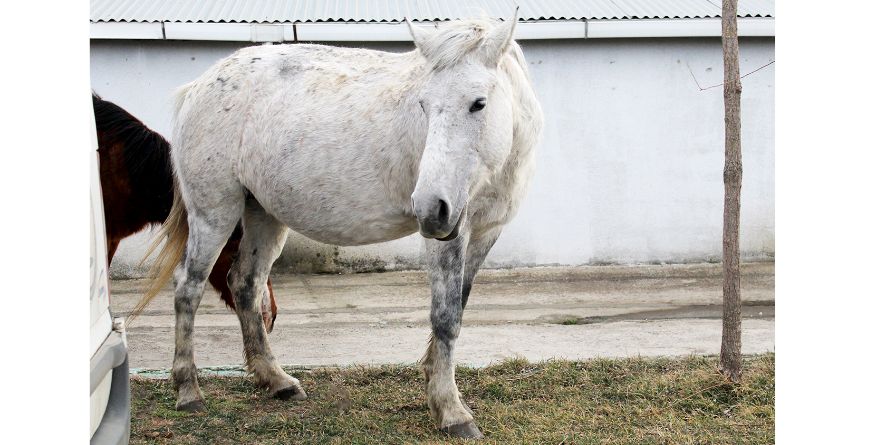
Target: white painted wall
[[629, 169]]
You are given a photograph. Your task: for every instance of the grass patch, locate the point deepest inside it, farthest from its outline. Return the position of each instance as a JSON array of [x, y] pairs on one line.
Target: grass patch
[[571, 321], [625, 401]]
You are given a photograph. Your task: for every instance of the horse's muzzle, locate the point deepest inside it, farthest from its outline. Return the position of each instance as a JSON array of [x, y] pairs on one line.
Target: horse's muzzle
[[435, 217]]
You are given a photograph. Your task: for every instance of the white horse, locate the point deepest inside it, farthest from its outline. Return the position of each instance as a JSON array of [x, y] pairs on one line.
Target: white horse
[[349, 147]]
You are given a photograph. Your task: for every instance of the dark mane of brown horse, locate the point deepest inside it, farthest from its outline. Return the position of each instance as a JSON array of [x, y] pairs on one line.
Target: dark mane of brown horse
[[136, 173], [137, 187]]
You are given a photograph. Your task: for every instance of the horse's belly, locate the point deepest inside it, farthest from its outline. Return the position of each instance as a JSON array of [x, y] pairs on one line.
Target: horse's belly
[[343, 219], [347, 232]]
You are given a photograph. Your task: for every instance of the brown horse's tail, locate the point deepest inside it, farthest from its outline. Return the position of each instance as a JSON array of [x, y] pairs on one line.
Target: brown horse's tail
[[175, 232]]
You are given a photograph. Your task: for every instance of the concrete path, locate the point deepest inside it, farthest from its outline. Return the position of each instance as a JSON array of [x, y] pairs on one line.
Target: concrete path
[[537, 313]]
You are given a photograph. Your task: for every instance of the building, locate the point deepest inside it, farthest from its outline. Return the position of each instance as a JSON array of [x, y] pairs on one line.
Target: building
[[629, 169]]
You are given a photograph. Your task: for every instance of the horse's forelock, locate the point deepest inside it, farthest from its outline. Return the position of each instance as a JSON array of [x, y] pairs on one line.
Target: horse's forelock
[[456, 40]]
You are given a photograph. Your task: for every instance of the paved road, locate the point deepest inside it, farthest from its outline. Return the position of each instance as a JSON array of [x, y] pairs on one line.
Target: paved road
[[537, 313]]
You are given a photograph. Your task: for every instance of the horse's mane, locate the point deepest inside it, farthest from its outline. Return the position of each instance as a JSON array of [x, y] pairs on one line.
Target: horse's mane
[[455, 40], [145, 154]]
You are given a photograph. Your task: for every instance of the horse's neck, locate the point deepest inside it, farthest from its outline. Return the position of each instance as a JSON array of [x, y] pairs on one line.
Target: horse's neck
[[519, 165], [407, 133], [415, 127]]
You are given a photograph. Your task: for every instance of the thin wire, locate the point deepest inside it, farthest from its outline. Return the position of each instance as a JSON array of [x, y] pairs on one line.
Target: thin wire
[[720, 84]]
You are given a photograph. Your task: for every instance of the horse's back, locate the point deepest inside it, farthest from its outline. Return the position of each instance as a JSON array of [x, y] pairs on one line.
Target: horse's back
[[259, 85]]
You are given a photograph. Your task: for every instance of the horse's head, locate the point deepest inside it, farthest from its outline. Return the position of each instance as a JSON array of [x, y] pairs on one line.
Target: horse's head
[[467, 103]]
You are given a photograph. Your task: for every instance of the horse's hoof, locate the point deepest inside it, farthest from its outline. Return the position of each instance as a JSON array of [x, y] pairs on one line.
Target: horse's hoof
[[194, 406], [293, 392], [467, 430]]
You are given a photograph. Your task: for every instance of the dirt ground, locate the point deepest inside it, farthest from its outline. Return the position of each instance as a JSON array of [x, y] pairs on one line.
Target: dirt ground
[[535, 313]]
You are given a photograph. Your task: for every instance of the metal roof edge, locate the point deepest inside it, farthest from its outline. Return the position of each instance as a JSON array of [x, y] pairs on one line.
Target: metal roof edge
[[540, 18], [662, 28], [397, 31]]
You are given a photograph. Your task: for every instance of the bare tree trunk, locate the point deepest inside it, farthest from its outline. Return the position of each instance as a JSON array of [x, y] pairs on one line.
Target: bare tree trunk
[[730, 349]]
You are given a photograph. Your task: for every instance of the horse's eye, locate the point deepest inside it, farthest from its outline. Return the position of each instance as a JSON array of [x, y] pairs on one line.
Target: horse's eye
[[422, 104], [478, 104]]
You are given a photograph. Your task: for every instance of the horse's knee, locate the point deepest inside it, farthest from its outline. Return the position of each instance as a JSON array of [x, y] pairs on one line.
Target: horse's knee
[[186, 299], [446, 324], [243, 287], [188, 280], [184, 304]]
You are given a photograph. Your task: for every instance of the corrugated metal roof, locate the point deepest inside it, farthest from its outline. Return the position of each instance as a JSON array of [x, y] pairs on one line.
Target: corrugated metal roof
[[668, 9], [301, 11]]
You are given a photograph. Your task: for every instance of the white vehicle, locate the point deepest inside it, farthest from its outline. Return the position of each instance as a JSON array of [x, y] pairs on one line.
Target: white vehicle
[[109, 366]]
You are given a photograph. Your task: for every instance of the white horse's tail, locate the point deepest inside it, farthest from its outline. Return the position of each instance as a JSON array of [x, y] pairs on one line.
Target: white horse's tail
[[174, 231]]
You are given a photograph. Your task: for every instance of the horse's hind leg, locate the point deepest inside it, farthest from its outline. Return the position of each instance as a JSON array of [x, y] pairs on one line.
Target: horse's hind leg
[[207, 233], [263, 240], [218, 278]]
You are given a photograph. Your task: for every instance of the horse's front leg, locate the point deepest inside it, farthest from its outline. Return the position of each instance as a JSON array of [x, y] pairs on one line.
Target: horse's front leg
[[446, 263]]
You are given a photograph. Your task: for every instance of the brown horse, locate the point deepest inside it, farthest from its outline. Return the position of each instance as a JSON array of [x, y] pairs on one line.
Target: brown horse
[[137, 190]]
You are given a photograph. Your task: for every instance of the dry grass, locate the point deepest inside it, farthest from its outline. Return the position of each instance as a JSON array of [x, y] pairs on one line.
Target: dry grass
[[630, 401]]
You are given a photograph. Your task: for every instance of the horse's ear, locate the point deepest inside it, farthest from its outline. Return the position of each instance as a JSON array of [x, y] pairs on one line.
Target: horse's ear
[[419, 36], [499, 39]]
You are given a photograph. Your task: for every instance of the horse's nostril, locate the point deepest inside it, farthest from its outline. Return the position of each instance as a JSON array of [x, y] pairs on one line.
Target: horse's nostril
[[443, 211]]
